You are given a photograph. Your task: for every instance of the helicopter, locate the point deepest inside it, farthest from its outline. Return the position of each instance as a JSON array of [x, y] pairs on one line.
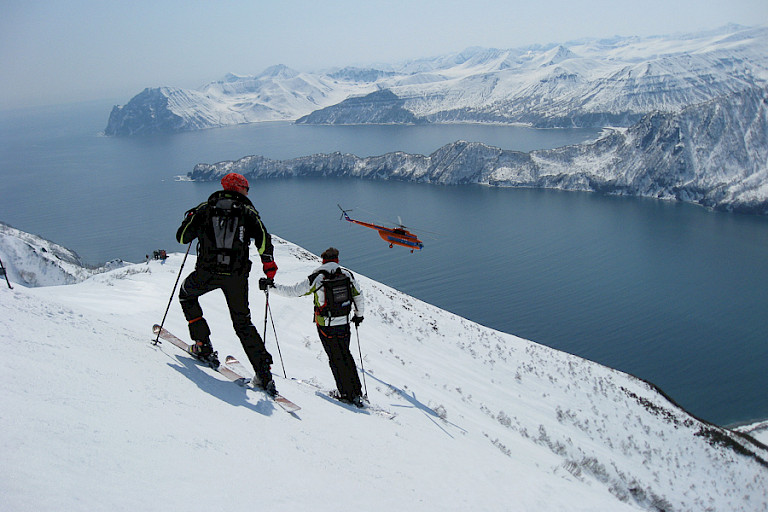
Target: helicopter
[[395, 236]]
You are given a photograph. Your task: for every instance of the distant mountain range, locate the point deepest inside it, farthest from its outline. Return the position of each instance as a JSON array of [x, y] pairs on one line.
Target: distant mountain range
[[714, 154], [580, 83]]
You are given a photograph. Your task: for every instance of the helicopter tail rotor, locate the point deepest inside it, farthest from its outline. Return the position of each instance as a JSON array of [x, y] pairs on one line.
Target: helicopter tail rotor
[[344, 215]]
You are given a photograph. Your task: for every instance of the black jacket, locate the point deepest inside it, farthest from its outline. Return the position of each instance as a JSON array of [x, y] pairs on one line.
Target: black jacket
[[198, 224]]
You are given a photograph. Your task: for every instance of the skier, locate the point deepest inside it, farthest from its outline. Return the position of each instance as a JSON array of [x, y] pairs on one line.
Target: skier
[[332, 318], [224, 226]]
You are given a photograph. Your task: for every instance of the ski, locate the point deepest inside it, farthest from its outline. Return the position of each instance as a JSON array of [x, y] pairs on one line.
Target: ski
[[227, 371], [237, 367], [332, 396], [175, 340]]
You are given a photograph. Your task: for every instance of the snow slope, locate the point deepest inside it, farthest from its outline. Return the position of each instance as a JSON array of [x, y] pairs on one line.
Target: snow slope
[[757, 430], [32, 261], [95, 417]]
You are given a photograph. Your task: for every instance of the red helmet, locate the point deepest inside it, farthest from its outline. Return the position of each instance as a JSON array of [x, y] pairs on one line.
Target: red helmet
[[235, 182]]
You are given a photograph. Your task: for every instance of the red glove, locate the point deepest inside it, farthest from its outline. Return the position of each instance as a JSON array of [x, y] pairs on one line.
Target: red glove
[[270, 269]]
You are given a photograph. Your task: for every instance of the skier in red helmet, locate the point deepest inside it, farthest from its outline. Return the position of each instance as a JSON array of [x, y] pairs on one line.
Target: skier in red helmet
[[224, 226]]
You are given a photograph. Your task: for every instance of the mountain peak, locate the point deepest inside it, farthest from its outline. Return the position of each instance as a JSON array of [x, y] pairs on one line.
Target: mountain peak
[[557, 55], [278, 71]]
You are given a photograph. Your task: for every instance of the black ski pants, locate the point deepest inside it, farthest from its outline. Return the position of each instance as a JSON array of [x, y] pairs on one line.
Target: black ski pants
[[235, 288], [336, 339]]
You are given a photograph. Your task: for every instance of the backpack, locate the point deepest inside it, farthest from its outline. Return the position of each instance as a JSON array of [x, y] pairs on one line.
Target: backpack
[[338, 293], [225, 245]]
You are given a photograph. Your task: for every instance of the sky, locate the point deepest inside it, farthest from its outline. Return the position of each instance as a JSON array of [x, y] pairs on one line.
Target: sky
[[64, 51]]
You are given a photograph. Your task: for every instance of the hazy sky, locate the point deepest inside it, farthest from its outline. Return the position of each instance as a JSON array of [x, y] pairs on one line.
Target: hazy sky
[[60, 51]]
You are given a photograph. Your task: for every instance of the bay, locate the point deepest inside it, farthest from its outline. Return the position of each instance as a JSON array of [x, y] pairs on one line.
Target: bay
[[669, 292]]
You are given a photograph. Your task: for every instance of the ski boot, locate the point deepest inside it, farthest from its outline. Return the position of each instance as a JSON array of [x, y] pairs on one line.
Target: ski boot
[[201, 346], [203, 351], [356, 400], [263, 380]]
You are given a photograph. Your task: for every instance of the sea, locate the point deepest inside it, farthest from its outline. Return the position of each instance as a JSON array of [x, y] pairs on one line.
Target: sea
[[670, 292]]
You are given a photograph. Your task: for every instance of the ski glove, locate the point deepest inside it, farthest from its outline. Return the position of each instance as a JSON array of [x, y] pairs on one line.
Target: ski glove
[[270, 269], [357, 320]]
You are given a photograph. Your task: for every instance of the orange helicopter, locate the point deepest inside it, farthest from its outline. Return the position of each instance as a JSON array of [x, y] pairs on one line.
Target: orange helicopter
[[395, 236]]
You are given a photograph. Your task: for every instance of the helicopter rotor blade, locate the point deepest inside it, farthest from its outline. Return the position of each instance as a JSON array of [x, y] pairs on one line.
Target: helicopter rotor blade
[[343, 212]]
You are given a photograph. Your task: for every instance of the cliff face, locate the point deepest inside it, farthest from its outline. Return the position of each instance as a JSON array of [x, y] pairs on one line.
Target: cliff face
[[147, 113], [714, 154]]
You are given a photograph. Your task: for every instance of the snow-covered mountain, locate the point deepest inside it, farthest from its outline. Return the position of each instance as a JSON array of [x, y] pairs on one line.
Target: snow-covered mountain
[[714, 154], [34, 261], [96, 417], [579, 83], [278, 93]]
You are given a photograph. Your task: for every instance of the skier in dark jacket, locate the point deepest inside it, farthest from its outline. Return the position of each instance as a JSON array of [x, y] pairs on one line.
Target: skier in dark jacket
[[334, 331], [225, 225]]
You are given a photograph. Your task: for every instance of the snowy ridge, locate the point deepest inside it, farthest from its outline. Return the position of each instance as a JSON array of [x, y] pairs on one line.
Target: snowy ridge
[[758, 431], [586, 84], [277, 94], [34, 261], [581, 83], [483, 419], [714, 154]]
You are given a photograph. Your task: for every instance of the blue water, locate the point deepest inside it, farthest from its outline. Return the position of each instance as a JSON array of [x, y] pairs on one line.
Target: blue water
[[669, 292]]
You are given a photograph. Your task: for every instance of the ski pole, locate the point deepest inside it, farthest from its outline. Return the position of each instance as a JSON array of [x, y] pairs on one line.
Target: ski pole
[[266, 313], [359, 351], [3, 272], [268, 310], [157, 340]]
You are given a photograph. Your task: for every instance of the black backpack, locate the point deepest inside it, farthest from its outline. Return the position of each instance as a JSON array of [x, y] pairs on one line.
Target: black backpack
[[225, 249], [338, 293]]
